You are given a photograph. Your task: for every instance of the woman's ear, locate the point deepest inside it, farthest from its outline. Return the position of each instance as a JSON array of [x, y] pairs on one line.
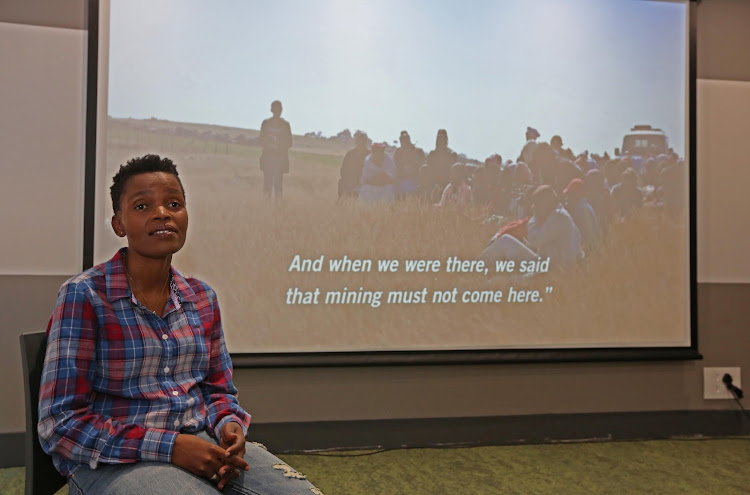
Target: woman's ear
[[117, 226]]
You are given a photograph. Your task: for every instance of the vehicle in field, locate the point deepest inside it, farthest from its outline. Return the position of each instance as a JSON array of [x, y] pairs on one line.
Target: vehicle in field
[[644, 141]]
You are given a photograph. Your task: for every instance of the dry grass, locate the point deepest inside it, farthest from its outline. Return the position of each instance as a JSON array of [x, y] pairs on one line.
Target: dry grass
[[631, 292]]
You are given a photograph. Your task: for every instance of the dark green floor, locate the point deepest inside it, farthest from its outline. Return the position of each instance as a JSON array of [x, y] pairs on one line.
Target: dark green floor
[[684, 467]]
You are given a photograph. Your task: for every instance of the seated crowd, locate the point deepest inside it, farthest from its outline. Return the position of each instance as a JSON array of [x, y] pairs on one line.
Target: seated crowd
[[550, 201]]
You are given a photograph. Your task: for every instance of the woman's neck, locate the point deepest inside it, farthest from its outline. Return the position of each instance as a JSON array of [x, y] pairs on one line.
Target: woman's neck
[[150, 274]]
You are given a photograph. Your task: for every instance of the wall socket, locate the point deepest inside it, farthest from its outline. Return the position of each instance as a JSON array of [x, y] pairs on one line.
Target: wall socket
[[714, 387]]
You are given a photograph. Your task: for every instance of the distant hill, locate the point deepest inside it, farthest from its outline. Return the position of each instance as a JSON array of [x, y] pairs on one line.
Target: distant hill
[[225, 134]]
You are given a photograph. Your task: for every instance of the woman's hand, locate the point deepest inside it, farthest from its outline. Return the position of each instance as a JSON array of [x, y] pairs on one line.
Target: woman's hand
[[233, 443], [198, 456]]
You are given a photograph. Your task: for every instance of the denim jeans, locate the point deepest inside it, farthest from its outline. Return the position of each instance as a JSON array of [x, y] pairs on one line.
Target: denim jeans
[[268, 475]]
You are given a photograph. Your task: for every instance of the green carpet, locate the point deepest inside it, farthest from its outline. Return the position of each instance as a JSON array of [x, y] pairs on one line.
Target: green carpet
[[684, 467]]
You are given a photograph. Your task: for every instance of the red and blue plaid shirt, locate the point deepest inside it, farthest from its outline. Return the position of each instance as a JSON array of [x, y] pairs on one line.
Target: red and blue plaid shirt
[[119, 382]]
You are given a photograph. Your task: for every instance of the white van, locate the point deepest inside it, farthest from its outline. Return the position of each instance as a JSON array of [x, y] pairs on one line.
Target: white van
[[644, 141]]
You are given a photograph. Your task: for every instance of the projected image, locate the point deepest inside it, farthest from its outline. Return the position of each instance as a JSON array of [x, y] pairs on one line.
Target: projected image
[[418, 175]]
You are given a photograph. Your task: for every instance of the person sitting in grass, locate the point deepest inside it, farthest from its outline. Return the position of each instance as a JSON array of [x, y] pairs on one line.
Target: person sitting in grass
[[458, 191], [408, 159], [351, 166], [379, 180], [582, 213], [627, 196], [550, 233]]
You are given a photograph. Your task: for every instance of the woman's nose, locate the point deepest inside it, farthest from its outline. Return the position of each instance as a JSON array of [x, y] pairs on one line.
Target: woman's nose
[[161, 212]]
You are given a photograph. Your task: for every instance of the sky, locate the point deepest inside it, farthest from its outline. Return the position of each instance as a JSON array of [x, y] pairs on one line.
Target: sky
[[484, 70]]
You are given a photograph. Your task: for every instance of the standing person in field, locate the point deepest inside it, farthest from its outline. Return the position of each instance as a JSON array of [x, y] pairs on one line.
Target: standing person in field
[[435, 175], [351, 166], [379, 179], [557, 144], [527, 152], [136, 394], [409, 159], [276, 139]]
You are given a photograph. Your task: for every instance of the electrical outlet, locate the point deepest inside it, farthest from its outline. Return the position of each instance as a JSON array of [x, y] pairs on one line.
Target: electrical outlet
[[713, 385]]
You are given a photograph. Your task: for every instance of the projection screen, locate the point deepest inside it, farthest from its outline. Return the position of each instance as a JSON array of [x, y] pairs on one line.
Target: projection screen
[[485, 181]]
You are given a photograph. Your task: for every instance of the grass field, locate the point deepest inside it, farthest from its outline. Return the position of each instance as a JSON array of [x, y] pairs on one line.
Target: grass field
[[633, 291]]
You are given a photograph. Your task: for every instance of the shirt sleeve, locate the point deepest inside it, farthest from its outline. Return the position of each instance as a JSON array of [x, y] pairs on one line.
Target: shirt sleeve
[[219, 392], [67, 426]]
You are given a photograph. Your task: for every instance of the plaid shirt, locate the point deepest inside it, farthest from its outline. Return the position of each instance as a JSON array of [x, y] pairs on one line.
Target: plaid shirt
[[119, 382]]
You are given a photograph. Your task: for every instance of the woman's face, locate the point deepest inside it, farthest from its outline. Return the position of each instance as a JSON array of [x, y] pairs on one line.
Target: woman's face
[[152, 215]]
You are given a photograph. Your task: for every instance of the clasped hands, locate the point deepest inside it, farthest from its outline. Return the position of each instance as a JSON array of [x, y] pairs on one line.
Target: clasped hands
[[218, 463]]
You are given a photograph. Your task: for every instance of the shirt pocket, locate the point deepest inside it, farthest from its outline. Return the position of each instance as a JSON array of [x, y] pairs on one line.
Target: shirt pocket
[[193, 344], [124, 357]]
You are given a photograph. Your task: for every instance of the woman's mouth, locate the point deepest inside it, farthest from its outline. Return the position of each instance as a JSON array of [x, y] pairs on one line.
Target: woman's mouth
[[163, 232]]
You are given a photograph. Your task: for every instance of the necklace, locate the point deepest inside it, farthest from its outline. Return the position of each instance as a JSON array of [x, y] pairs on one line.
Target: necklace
[[140, 296]]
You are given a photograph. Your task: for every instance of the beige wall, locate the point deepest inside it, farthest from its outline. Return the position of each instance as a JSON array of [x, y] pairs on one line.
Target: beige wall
[[41, 135], [309, 394]]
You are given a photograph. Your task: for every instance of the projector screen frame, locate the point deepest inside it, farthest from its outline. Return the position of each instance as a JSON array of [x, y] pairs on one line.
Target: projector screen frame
[[419, 357]]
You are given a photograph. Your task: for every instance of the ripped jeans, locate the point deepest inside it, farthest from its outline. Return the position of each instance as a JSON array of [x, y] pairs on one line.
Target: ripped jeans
[[268, 475]]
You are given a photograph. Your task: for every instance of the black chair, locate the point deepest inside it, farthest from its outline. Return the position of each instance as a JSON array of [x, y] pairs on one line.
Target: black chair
[[41, 476]]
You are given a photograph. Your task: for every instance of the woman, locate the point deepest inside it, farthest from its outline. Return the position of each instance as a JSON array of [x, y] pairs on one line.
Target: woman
[[137, 393], [458, 191], [550, 233], [378, 181]]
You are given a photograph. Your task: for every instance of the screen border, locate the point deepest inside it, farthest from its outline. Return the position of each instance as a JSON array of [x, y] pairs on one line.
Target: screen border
[[416, 357]]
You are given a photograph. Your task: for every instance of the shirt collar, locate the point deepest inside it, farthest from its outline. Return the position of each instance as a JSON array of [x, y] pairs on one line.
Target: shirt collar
[[185, 293], [118, 287], [116, 278]]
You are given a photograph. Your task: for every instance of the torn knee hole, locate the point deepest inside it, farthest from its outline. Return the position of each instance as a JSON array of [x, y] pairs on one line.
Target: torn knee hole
[[289, 472]]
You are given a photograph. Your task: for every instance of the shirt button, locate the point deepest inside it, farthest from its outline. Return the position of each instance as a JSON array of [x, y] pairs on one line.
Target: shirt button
[[164, 336], [175, 392], [177, 422], [166, 369]]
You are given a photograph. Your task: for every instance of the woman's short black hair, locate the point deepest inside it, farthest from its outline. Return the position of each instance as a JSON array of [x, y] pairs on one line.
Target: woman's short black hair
[[140, 165]]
